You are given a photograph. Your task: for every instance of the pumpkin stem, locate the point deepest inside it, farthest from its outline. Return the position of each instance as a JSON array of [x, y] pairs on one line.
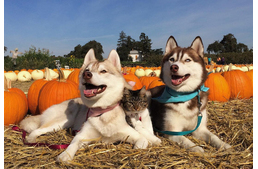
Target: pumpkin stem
[[47, 74], [7, 84], [230, 67], [152, 74], [222, 69], [61, 77], [211, 68]]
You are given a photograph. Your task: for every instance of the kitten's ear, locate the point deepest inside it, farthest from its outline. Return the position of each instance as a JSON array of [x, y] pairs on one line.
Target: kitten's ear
[[143, 90], [126, 91], [129, 85]]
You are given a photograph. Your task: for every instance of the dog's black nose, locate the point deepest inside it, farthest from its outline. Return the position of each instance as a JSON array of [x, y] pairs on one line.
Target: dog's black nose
[[87, 75], [174, 68]]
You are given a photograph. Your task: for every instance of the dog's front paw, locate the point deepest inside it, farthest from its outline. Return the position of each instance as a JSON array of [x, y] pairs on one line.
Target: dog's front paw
[[64, 157], [31, 139], [142, 143], [197, 149], [157, 141], [225, 146]]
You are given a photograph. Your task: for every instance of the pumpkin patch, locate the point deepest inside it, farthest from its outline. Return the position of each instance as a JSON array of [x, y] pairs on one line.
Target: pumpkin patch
[[225, 83]]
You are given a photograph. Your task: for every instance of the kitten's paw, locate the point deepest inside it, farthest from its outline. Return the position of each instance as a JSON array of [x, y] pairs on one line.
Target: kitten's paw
[[137, 123]]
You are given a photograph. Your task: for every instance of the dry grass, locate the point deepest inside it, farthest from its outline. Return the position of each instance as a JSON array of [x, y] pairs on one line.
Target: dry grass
[[231, 121]]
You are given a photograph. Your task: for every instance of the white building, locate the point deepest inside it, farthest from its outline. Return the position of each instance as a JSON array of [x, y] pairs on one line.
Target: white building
[[135, 55]]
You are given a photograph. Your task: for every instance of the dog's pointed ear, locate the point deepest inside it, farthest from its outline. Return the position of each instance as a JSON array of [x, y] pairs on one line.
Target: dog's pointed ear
[[89, 57], [171, 44], [197, 45], [114, 58]]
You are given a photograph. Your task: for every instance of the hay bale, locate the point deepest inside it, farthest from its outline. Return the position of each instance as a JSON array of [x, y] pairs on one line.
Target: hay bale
[[231, 121]]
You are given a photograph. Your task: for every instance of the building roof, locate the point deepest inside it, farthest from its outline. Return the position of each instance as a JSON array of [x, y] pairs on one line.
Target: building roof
[[134, 52]]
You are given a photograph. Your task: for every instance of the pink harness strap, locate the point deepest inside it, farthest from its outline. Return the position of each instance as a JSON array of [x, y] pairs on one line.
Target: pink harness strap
[[55, 147], [92, 112]]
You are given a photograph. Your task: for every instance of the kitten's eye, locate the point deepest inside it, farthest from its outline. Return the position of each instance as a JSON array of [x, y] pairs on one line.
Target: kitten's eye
[[103, 71], [188, 60], [172, 59]]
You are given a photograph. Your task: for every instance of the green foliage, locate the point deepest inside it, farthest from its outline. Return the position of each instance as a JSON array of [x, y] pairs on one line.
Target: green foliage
[[234, 58], [8, 63], [80, 51], [125, 44], [227, 45], [39, 59]]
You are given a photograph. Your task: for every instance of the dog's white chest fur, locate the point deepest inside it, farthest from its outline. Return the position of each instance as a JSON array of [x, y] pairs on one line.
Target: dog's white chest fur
[[109, 123], [180, 117]]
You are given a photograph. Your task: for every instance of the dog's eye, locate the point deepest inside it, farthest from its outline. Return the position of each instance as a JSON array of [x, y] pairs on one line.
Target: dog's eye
[[103, 71], [188, 60], [172, 59]]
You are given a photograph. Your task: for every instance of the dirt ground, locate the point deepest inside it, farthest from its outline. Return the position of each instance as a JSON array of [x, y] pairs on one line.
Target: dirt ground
[[24, 86]]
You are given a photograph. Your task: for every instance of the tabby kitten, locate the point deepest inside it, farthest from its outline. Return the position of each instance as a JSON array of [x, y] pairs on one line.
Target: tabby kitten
[[135, 105]]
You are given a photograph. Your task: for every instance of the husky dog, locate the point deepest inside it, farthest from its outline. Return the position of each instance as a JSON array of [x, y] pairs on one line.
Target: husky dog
[[101, 88], [176, 106]]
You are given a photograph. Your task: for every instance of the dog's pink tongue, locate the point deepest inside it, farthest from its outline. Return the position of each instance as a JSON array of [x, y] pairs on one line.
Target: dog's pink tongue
[[90, 92], [176, 82]]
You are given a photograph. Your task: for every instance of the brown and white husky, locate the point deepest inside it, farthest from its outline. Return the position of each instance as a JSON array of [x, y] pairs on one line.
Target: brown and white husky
[[101, 87], [174, 107]]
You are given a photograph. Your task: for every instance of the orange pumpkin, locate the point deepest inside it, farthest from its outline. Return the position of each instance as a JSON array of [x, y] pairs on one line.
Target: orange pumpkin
[[156, 83], [74, 76], [8, 86], [33, 92], [240, 84], [57, 91], [219, 89], [146, 80], [16, 71], [250, 74], [30, 70], [15, 107], [133, 78]]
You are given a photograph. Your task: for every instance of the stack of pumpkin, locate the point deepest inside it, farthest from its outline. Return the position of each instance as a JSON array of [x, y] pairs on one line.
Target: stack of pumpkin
[[28, 75], [229, 83], [225, 68], [148, 77], [42, 94]]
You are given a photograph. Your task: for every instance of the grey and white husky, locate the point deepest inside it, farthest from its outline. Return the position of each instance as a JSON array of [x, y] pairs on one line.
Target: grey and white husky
[[176, 106], [101, 87]]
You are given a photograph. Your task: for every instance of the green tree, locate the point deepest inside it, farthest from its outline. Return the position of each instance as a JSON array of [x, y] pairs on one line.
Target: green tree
[[145, 45], [242, 48], [124, 45], [226, 45], [80, 51], [229, 43], [215, 47]]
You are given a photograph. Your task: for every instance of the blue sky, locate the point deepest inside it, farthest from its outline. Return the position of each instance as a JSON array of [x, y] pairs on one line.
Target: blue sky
[[61, 25]]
